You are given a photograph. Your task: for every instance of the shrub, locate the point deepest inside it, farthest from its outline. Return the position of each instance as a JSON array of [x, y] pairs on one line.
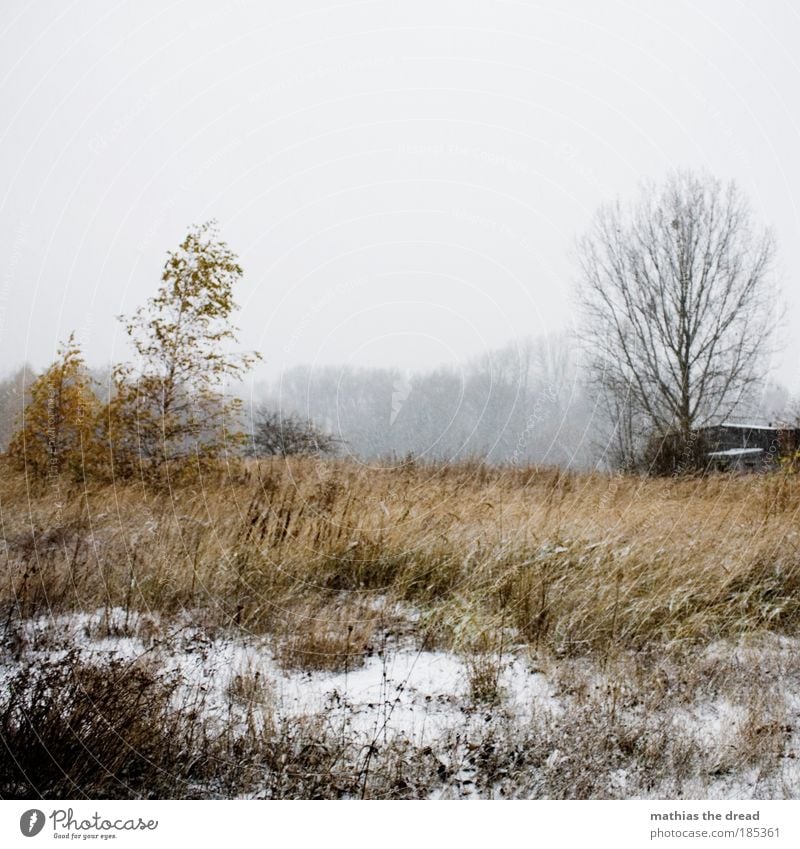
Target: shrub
[[58, 424], [282, 435]]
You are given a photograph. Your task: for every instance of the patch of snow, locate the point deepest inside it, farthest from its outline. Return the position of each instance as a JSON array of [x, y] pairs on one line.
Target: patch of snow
[[418, 695]]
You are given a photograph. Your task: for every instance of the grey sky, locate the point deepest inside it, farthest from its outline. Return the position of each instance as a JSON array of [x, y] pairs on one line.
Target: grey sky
[[401, 180]]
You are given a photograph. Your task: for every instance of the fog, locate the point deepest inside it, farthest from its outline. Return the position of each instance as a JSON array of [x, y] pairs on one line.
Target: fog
[[403, 183]]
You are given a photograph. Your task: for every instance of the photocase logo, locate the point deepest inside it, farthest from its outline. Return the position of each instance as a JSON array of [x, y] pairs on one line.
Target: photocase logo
[[401, 389], [31, 822], [66, 824]]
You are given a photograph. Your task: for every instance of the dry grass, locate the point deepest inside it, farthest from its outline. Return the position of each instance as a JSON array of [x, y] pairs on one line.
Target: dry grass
[[573, 563], [618, 587], [67, 726], [250, 687], [335, 638]]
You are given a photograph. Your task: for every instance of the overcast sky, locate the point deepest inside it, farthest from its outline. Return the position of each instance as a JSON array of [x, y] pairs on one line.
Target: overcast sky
[[402, 181]]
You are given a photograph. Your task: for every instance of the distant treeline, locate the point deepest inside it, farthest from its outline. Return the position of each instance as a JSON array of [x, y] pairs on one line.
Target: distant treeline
[[521, 404], [525, 403]]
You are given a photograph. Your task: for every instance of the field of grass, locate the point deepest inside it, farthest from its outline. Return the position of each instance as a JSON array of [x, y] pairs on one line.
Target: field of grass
[[659, 614]]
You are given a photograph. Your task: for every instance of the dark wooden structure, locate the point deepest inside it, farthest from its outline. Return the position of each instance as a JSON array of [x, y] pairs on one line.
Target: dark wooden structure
[[748, 446]]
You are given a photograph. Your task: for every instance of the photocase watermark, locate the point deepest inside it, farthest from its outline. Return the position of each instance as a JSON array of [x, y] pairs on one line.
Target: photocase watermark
[[687, 461], [493, 226], [543, 402], [185, 185], [401, 389], [32, 822], [102, 141], [65, 824], [771, 455]]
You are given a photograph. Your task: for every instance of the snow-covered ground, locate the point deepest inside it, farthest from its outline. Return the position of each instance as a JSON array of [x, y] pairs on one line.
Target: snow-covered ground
[[399, 690], [424, 698]]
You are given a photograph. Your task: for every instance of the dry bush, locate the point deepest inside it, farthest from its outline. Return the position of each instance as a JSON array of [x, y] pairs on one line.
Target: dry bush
[[71, 729], [484, 664], [483, 678]]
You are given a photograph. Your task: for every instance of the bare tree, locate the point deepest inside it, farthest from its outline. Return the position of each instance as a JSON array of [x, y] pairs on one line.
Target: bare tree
[[677, 306]]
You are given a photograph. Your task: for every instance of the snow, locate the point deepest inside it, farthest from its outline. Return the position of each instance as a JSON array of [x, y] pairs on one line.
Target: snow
[[736, 452], [418, 695], [404, 691], [749, 426]]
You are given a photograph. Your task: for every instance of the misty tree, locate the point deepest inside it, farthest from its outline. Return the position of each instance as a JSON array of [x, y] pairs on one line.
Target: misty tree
[[15, 391], [522, 404], [676, 308], [517, 404], [284, 435], [170, 406]]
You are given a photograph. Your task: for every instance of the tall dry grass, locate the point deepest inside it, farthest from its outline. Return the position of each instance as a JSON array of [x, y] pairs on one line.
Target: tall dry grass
[[565, 562]]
